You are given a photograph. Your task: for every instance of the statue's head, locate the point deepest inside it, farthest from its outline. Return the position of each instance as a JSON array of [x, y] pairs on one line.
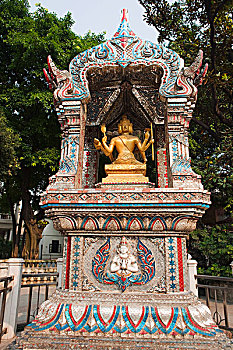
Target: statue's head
[[123, 246], [125, 126]]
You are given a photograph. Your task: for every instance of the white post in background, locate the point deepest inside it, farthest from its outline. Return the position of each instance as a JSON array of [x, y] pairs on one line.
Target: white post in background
[[3, 267], [15, 267], [59, 270], [192, 271], [231, 265]]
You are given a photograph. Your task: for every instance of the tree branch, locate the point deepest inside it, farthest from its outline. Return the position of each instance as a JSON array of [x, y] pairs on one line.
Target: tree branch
[[220, 6], [207, 128], [211, 17], [217, 111]]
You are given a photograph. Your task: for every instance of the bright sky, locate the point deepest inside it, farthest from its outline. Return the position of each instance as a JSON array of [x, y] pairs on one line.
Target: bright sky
[[100, 15]]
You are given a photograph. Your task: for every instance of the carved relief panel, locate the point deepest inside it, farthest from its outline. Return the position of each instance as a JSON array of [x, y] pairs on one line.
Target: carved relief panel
[[120, 264]]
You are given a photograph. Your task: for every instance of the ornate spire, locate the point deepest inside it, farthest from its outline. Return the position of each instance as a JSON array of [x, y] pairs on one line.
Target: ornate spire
[[124, 31], [123, 37]]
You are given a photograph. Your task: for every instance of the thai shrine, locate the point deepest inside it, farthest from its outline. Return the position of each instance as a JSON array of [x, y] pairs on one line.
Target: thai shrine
[[125, 198]]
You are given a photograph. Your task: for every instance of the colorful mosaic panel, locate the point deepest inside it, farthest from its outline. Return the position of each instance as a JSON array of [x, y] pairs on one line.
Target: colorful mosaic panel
[[122, 320], [134, 195], [171, 265], [64, 262], [68, 254], [174, 149], [81, 148], [185, 268], [160, 285], [162, 168], [69, 152], [176, 260], [76, 268], [180, 264]]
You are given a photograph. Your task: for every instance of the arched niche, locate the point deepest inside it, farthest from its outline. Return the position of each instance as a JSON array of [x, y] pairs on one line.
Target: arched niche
[[128, 75], [131, 90]]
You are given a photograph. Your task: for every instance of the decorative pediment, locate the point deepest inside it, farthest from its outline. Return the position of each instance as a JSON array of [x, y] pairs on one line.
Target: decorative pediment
[[126, 49]]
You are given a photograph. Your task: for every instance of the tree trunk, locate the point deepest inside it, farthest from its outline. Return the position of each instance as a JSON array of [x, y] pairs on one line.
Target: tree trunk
[[33, 234]]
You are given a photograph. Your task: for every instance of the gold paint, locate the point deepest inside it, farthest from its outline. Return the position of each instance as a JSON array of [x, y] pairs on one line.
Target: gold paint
[[153, 150], [126, 168]]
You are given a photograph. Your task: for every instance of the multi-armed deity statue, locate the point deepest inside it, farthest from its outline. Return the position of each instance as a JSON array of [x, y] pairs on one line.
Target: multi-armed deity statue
[[124, 280], [125, 168]]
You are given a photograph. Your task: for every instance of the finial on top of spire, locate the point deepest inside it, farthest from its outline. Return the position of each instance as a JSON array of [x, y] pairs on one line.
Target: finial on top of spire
[[125, 15], [124, 29]]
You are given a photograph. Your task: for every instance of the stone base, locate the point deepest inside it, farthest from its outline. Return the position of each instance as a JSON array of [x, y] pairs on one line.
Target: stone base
[[66, 342], [74, 320]]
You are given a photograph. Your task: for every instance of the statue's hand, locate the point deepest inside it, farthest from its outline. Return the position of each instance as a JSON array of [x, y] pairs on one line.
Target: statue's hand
[[97, 144], [152, 141], [147, 135], [104, 139]]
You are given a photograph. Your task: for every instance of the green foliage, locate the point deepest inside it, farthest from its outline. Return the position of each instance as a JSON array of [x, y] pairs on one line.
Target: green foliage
[[9, 142], [187, 26], [25, 42], [89, 40], [210, 246], [216, 167]]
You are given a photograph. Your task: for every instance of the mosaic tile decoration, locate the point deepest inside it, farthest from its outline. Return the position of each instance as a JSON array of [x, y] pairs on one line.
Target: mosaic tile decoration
[[124, 49], [76, 275], [122, 319], [64, 262], [148, 255]]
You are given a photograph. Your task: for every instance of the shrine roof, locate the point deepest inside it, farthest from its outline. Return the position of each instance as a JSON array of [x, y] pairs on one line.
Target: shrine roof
[[125, 49], [126, 58]]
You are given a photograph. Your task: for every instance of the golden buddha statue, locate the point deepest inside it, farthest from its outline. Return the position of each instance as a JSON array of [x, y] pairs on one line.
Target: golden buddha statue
[[126, 168]]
